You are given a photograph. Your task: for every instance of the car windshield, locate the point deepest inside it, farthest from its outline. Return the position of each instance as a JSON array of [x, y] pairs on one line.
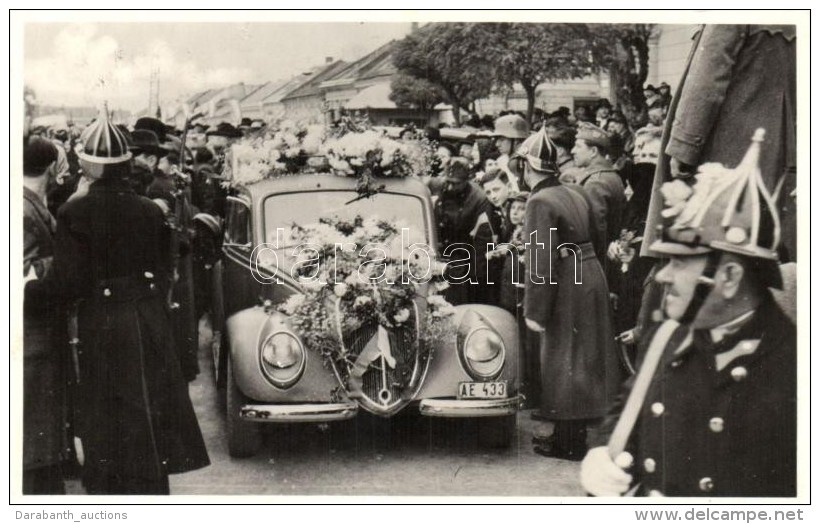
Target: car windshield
[[306, 208]]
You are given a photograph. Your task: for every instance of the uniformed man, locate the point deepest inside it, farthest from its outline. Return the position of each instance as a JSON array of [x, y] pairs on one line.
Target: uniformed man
[[601, 182], [509, 132], [566, 303], [134, 419], [719, 415]]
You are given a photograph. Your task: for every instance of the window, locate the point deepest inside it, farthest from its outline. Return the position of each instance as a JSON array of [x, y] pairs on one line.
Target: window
[[238, 223]]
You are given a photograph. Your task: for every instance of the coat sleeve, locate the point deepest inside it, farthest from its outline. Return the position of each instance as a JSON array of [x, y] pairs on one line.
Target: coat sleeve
[[598, 199], [539, 294], [704, 91], [69, 276]]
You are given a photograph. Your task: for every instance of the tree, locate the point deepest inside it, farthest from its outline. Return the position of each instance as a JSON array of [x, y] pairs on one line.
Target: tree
[[623, 49], [531, 54], [418, 93], [449, 56]]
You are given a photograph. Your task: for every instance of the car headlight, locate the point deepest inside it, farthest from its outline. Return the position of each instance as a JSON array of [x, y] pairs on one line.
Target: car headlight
[[483, 353], [282, 359]]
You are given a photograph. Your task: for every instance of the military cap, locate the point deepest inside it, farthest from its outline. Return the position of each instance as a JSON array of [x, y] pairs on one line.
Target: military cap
[[592, 135], [457, 169]]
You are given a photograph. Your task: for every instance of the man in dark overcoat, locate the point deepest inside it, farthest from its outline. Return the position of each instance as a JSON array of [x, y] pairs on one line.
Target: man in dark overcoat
[[602, 183], [458, 211], [566, 301], [719, 417], [737, 78], [43, 378], [134, 420]]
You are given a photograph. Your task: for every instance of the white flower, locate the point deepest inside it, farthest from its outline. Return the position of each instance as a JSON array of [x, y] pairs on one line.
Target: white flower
[[340, 289], [402, 315], [362, 300], [293, 303], [675, 194]]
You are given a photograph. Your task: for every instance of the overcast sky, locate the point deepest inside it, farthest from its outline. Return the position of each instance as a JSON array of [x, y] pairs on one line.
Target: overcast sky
[[83, 64]]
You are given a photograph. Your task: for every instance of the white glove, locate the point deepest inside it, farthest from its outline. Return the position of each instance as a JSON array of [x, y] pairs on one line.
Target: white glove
[[614, 250], [78, 449], [534, 326], [600, 476], [31, 275]]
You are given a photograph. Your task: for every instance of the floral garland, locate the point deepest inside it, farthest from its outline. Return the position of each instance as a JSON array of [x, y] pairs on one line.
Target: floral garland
[[361, 293], [349, 150]]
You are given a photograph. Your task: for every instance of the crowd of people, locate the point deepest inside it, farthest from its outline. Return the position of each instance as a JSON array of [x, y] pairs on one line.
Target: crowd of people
[[606, 241]]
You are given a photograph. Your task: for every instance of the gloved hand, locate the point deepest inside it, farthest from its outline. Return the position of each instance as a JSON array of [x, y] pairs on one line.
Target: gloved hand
[[600, 476]]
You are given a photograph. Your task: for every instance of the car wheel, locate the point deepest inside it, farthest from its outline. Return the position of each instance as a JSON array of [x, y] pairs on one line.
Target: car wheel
[[496, 432], [244, 438]]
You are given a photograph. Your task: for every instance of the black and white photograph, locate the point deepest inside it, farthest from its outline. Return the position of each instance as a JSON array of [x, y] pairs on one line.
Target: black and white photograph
[[491, 255]]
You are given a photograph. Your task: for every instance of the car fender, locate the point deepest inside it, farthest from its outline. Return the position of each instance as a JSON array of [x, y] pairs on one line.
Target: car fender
[[445, 370], [246, 330]]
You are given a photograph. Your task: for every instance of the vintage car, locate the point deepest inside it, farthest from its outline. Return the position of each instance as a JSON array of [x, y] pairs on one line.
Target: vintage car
[[476, 376]]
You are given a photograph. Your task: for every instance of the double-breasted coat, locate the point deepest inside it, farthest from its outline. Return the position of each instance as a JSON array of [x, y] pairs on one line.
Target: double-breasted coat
[[738, 78], [43, 366], [720, 419], [580, 374], [605, 188], [133, 412]]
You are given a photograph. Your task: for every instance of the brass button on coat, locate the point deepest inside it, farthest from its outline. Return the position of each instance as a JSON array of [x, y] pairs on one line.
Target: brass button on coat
[[716, 424], [739, 373], [649, 465], [706, 484], [657, 409], [655, 493]]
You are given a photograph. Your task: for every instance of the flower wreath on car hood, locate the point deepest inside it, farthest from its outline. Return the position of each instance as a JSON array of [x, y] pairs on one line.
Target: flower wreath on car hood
[[394, 286]]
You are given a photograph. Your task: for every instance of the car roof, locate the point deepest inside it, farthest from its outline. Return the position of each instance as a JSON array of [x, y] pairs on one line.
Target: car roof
[[326, 181]]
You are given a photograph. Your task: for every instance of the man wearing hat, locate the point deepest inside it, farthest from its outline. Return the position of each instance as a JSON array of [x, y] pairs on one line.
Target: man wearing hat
[[44, 436], [602, 112], [134, 421], [459, 211], [566, 303], [147, 153], [601, 182], [719, 415], [509, 131]]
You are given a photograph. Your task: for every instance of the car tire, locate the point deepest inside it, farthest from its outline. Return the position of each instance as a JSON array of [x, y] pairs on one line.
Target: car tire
[[496, 432], [244, 438]]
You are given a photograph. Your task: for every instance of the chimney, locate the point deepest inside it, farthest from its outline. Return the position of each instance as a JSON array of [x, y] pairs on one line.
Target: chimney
[[328, 59], [414, 26]]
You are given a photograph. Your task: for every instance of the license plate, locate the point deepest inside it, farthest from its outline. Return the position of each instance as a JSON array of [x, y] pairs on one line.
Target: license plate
[[468, 390]]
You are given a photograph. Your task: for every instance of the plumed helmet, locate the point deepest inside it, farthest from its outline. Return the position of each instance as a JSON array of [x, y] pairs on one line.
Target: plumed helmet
[[726, 209], [511, 126], [540, 152], [103, 143]]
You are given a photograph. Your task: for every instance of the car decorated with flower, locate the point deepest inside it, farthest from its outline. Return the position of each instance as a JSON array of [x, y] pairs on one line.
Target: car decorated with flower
[[328, 298]]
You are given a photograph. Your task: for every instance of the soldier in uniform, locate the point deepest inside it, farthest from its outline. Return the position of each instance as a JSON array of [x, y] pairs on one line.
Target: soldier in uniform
[[509, 132], [601, 182], [134, 419], [719, 415], [565, 302]]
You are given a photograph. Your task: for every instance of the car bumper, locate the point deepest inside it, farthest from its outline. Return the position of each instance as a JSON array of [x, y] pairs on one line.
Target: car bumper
[[298, 412], [470, 408]]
